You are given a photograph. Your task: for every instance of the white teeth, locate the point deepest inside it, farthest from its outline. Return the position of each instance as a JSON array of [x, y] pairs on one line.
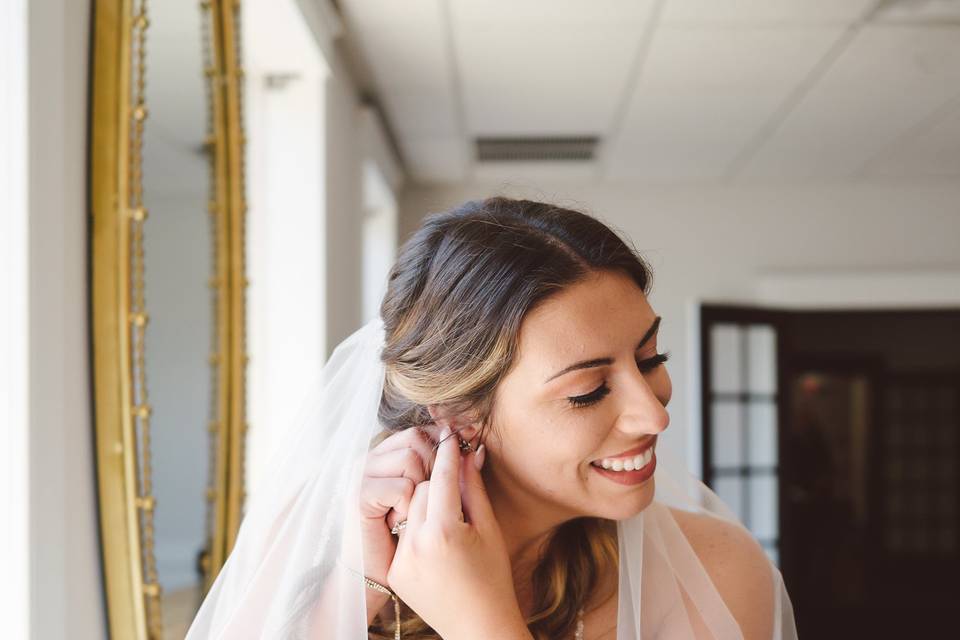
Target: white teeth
[[627, 464]]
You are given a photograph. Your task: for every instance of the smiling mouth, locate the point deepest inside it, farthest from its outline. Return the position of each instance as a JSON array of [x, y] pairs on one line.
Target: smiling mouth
[[625, 463], [635, 458]]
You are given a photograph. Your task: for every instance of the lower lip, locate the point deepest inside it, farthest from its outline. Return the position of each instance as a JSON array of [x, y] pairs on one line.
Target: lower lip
[[629, 477]]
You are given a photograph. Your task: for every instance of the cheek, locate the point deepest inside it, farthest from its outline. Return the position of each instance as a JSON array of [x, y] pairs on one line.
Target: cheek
[[580, 439], [554, 451]]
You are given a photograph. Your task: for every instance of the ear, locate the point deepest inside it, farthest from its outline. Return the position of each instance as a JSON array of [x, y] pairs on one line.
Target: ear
[[468, 425]]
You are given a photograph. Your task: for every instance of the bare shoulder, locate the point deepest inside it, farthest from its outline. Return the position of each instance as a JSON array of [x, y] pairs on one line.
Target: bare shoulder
[[738, 567]]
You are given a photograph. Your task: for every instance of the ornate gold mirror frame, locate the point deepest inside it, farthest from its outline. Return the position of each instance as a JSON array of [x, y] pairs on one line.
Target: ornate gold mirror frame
[[119, 311]]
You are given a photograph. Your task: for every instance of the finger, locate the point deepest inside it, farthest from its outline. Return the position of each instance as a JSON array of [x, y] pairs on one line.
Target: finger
[[473, 492], [417, 511], [444, 504], [422, 438], [380, 495], [406, 462]]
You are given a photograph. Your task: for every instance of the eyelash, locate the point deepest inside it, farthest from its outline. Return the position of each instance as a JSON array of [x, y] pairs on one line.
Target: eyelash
[[598, 394]]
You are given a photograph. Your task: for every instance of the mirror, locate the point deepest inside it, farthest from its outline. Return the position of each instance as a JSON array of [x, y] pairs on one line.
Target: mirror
[[179, 255], [167, 302]]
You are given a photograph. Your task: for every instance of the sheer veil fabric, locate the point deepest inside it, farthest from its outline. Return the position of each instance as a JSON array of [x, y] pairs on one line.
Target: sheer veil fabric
[[296, 569]]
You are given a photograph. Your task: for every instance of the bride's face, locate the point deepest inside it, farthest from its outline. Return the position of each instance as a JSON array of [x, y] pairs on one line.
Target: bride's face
[[586, 386]]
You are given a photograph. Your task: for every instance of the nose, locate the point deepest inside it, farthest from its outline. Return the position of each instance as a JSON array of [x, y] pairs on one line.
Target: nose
[[642, 412]]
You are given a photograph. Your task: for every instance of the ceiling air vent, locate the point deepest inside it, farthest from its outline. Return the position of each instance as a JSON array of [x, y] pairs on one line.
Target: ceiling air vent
[[550, 149]]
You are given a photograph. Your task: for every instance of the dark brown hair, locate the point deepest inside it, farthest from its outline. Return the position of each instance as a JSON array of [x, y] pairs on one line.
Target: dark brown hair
[[455, 300]]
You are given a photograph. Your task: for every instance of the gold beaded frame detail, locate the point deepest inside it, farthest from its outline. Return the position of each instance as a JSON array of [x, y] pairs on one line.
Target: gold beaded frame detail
[[118, 300]]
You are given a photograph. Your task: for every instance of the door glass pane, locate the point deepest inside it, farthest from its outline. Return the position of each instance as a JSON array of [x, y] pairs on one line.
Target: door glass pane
[[763, 506], [743, 423], [730, 491], [762, 433], [725, 350], [774, 554], [726, 434], [761, 359]]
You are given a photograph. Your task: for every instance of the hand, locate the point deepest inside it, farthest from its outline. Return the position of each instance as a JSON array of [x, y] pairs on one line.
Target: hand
[[393, 469], [452, 568]]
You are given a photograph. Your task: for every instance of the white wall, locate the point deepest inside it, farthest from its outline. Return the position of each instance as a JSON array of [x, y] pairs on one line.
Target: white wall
[[379, 238], [14, 320], [285, 235], [344, 206], [64, 592], [353, 139], [729, 244], [382, 177], [311, 142]]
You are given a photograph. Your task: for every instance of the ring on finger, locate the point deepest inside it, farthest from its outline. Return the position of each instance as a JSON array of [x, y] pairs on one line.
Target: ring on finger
[[397, 528]]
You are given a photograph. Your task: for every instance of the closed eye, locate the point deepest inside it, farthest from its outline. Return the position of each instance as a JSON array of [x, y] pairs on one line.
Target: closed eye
[[600, 392], [591, 398], [652, 363]]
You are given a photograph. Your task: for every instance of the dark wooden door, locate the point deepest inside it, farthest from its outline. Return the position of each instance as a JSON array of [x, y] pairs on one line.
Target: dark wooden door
[[868, 486]]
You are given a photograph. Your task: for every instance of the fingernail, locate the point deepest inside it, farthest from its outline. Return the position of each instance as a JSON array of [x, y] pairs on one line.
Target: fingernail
[[480, 456]]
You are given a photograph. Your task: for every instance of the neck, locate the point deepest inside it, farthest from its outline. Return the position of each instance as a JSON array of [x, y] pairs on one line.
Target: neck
[[526, 524]]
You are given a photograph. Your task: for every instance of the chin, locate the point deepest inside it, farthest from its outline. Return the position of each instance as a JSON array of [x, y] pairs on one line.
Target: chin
[[628, 505]]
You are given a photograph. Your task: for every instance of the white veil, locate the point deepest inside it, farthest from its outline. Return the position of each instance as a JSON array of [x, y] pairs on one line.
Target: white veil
[[296, 569]]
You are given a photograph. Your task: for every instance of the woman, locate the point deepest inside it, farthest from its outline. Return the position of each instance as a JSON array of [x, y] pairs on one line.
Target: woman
[[513, 489]]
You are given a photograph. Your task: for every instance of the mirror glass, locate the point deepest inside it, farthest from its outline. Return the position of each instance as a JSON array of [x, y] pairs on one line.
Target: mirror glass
[[178, 261]]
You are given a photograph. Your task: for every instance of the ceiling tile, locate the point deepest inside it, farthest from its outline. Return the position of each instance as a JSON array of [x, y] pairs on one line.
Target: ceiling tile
[[763, 12], [932, 150], [539, 15], [715, 74], [435, 159], [534, 172], [403, 43], [705, 93], [421, 113], [536, 73], [919, 11], [683, 139], [890, 79], [510, 88]]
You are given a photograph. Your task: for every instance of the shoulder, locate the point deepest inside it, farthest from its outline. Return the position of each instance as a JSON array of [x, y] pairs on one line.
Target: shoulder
[[737, 566]]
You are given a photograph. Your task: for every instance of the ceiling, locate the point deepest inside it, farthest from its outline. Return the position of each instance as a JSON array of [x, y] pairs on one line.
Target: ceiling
[[677, 91]]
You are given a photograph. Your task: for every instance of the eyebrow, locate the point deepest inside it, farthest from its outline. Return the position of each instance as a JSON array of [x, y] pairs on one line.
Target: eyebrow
[[598, 362]]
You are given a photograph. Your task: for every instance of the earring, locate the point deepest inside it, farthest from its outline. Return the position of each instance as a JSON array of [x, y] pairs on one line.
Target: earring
[[463, 444]]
